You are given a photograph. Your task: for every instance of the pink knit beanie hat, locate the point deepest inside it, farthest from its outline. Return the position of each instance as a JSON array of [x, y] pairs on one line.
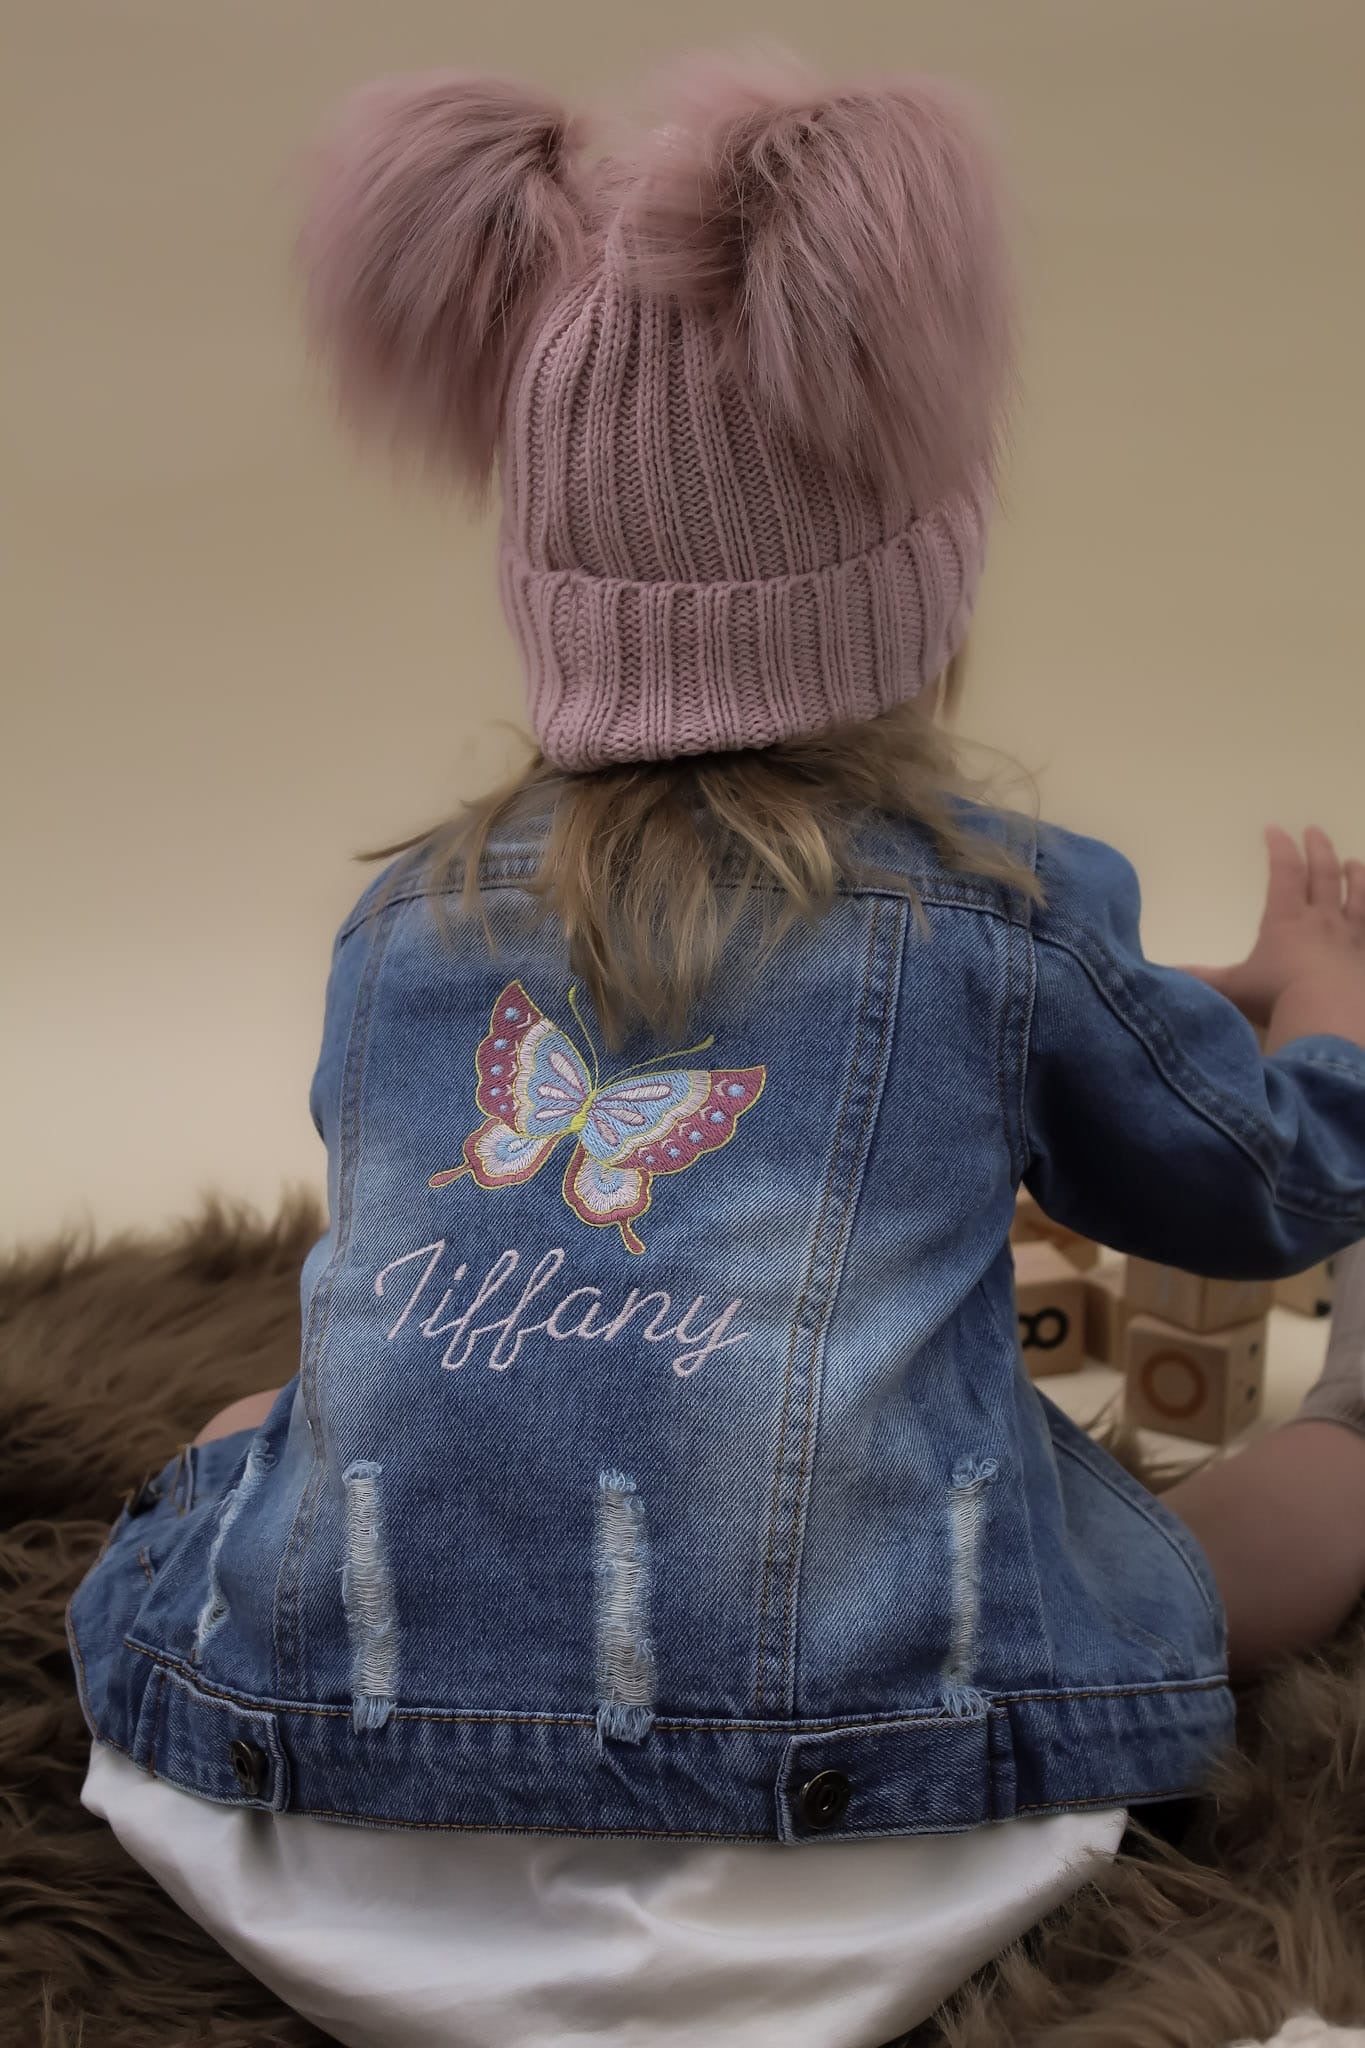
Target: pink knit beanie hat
[[742, 382]]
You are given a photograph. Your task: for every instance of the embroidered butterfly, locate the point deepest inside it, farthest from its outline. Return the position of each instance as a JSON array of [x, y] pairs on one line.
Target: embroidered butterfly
[[534, 1088]]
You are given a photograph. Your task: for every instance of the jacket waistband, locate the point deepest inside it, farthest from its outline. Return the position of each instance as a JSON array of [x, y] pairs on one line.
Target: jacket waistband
[[735, 1781]]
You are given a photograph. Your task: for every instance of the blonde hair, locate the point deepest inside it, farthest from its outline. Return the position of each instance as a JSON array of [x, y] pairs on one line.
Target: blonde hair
[[648, 866]]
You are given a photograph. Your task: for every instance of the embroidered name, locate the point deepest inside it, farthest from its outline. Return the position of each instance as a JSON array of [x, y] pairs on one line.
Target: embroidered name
[[579, 1315]]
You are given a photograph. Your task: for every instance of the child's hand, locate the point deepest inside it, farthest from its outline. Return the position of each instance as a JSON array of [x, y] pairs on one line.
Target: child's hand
[[1306, 971]]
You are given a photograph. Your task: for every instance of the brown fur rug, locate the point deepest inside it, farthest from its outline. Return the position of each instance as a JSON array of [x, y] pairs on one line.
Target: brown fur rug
[[111, 1355]]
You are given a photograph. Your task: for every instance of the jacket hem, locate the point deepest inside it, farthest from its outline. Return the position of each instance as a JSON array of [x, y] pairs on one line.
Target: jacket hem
[[1025, 1754]]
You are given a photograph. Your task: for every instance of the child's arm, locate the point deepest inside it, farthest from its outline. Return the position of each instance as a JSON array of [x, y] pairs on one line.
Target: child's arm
[[1305, 975], [1154, 1121]]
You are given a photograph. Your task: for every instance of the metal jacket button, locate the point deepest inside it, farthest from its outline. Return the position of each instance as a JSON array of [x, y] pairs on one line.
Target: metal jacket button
[[250, 1767], [824, 1799]]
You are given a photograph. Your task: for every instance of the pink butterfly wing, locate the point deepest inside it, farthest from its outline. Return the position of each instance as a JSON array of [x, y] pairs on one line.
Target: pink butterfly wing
[[599, 1192], [529, 1073], [531, 1085], [499, 1157], [704, 1122], [699, 1115]]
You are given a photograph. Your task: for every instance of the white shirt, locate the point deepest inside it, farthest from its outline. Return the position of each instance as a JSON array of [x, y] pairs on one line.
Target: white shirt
[[402, 1939]]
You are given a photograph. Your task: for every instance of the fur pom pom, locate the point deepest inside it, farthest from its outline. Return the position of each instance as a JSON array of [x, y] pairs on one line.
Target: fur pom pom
[[443, 207], [850, 243]]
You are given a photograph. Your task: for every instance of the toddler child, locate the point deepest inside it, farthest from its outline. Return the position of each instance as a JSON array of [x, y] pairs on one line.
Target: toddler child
[[661, 1609]]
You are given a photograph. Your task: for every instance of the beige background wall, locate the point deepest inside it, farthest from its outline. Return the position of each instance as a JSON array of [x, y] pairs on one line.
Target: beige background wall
[[232, 656]]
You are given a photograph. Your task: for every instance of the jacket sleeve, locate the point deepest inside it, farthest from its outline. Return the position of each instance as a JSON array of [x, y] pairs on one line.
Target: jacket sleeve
[[1153, 1121]]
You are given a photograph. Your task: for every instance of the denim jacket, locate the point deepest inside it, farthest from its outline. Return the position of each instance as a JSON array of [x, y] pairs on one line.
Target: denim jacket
[[661, 1459]]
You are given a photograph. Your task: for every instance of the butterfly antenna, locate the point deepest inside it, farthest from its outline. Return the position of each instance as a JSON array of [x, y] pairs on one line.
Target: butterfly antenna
[[660, 1060], [686, 1053], [592, 1049]]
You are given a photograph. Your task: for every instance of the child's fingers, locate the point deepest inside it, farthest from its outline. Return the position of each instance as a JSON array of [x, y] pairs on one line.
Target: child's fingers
[[1287, 887], [1324, 870], [1355, 891]]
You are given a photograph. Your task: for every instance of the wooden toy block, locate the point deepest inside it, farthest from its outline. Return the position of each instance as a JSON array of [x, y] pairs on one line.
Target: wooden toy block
[[1031, 1226], [1106, 1316], [1308, 1294], [1050, 1300], [1208, 1386], [1191, 1302]]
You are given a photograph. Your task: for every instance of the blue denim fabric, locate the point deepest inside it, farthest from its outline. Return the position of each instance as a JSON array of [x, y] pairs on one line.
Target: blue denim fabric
[[644, 1525]]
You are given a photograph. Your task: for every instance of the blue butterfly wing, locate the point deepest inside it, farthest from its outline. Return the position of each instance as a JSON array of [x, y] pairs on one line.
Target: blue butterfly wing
[[631, 1112]]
